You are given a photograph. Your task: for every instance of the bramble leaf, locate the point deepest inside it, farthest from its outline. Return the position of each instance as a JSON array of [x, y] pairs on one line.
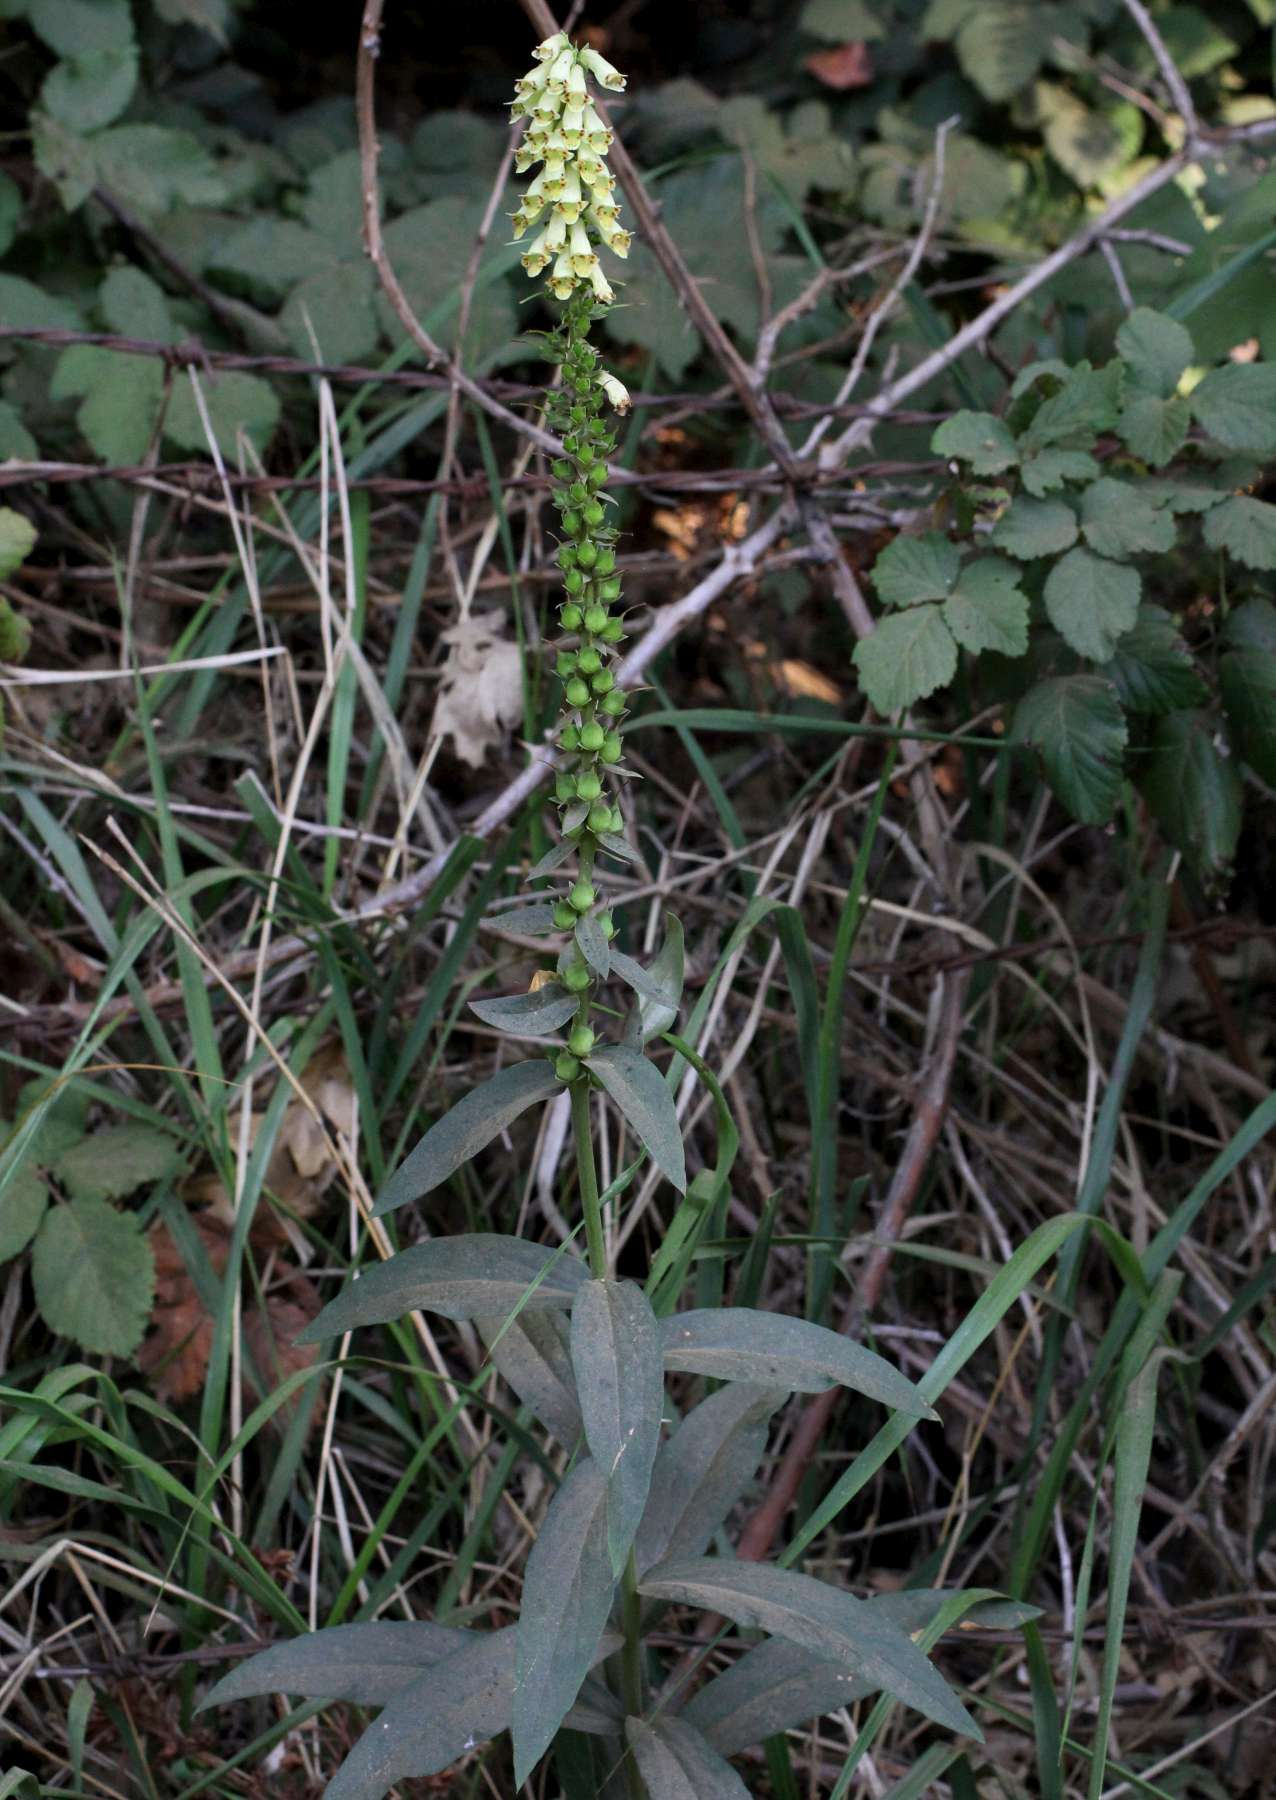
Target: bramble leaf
[[1117, 521], [1048, 469], [1032, 528], [980, 439], [1245, 528], [639, 1091], [22, 1206], [908, 656], [1154, 429], [1193, 789], [17, 541], [1251, 625], [1152, 670], [1086, 404], [1092, 602], [988, 610], [616, 1359], [463, 1131], [913, 569], [1248, 682], [1076, 726], [1236, 405], [739, 1343], [116, 1160], [1155, 350], [94, 1276]]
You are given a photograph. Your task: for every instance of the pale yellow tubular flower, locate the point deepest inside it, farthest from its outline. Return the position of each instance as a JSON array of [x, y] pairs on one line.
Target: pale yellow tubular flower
[[572, 126], [602, 71], [601, 286], [576, 81], [551, 47], [616, 391], [583, 255], [555, 233], [560, 69], [570, 201], [562, 278]]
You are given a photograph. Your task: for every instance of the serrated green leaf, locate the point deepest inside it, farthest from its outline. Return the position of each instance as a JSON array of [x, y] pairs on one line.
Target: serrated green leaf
[[545, 1010], [799, 151], [82, 27], [1044, 471], [1236, 405], [122, 396], [676, 1763], [980, 439], [914, 569], [266, 257], [616, 1359], [1155, 349], [1092, 602], [22, 1206], [333, 312], [1117, 521], [739, 1343], [94, 1276], [236, 403], [908, 656], [463, 1131], [532, 1353], [1248, 682], [28, 307], [135, 306], [1154, 429], [458, 1277], [1087, 403], [1180, 494], [1088, 144], [1001, 46], [704, 1470], [117, 1160], [1193, 789], [593, 944], [1152, 670], [639, 1091], [821, 1618], [64, 158], [152, 168], [989, 610], [86, 92], [1251, 625], [364, 1664], [1032, 528], [1245, 528], [1076, 726], [17, 541], [567, 1595]]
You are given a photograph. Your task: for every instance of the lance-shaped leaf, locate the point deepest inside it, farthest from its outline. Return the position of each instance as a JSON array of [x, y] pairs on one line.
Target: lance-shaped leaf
[[594, 946], [677, 1763], [620, 848], [534, 920], [779, 1684], [644, 982], [597, 1710], [461, 1133], [544, 1010], [820, 1618], [533, 1354], [567, 1594], [620, 1381], [459, 1277], [703, 1470], [667, 971], [365, 1664], [738, 1343], [639, 1091], [554, 858]]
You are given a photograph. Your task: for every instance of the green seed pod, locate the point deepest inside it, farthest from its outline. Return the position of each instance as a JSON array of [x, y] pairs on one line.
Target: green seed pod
[[571, 523], [577, 692], [582, 896], [597, 476], [587, 554], [571, 617], [566, 556], [617, 820], [586, 456], [589, 662], [573, 580], [564, 917], [596, 619], [581, 1040], [571, 443], [577, 415], [578, 493], [564, 786], [607, 925], [611, 752], [569, 738], [598, 428], [610, 590], [584, 387], [588, 786], [566, 1067], [603, 681], [591, 736], [562, 469], [606, 561], [614, 704], [593, 512], [600, 816], [612, 632], [576, 978], [565, 664]]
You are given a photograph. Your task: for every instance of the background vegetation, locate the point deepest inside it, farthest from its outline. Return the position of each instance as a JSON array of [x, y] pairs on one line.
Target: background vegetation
[[267, 580]]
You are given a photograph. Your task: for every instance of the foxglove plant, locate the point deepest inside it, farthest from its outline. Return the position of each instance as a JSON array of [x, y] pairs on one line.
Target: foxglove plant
[[635, 1512]]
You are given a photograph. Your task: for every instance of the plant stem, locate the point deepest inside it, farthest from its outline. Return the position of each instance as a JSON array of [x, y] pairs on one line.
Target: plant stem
[[588, 1177]]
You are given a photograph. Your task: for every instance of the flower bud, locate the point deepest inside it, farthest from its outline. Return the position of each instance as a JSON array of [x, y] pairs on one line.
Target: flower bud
[[616, 391], [591, 736], [582, 896], [566, 1067], [607, 925], [577, 693], [611, 752], [617, 819], [602, 71], [581, 1040]]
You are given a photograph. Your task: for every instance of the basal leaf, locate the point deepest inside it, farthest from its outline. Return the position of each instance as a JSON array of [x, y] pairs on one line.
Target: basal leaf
[[1155, 349], [739, 1343], [703, 1471], [1032, 528], [1248, 681], [1245, 528], [459, 1277], [117, 1160], [122, 397], [1236, 405], [989, 610], [913, 569], [639, 1091], [676, 1763], [1076, 726], [1154, 429], [544, 1010], [1193, 789], [94, 1276], [1117, 521], [365, 1663], [567, 1595], [1187, 493], [616, 1359], [334, 310], [153, 168], [463, 1131], [1153, 670], [594, 945], [907, 657], [1092, 602], [136, 306], [1001, 44], [533, 1354], [980, 439], [762, 1597]]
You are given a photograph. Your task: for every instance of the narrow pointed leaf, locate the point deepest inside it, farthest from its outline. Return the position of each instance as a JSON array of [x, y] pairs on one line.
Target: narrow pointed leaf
[[533, 1354], [820, 1618], [620, 848], [554, 858], [676, 1762], [639, 1091], [567, 1594], [667, 971], [703, 1471], [597, 1710], [537, 1014], [364, 1664], [461, 1133], [737, 1343], [620, 1381], [643, 982], [459, 1277], [594, 946], [536, 920]]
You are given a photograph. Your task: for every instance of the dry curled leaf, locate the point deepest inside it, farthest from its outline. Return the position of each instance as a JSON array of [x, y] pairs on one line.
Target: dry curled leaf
[[844, 66], [481, 690]]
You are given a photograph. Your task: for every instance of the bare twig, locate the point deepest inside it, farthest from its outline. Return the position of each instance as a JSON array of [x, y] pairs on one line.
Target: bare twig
[[1119, 282], [1170, 74]]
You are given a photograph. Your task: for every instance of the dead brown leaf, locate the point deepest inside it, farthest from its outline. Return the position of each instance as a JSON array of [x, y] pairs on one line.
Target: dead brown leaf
[[844, 66]]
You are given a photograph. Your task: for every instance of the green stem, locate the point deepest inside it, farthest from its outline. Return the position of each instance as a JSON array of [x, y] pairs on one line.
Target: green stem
[[588, 1177]]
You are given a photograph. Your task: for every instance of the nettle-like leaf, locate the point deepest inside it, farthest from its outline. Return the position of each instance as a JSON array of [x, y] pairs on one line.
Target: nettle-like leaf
[[1248, 682], [567, 1594], [116, 1161], [988, 610], [94, 1276], [912, 570], [980, 439], [1153, 670], [677, 1763], [616, 1359], [1236, 405], [22, 1206], [1091, 602], [546, 1009], [1154, 429], [1155, 349], [1245, 528], [639, 1091], [458, 1277], [1031, 528], [1001, 44], [1192, 785], [462, 1132], [532, 1353], [1076, 726], [704, 1470], [908, 656], [85, 92], [739, 1343], [1117, 521], [1251, 625], [1044, 471], [836, 1626]]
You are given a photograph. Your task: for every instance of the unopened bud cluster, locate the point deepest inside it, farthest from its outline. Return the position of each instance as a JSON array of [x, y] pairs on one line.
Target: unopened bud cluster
[[572, 196]]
